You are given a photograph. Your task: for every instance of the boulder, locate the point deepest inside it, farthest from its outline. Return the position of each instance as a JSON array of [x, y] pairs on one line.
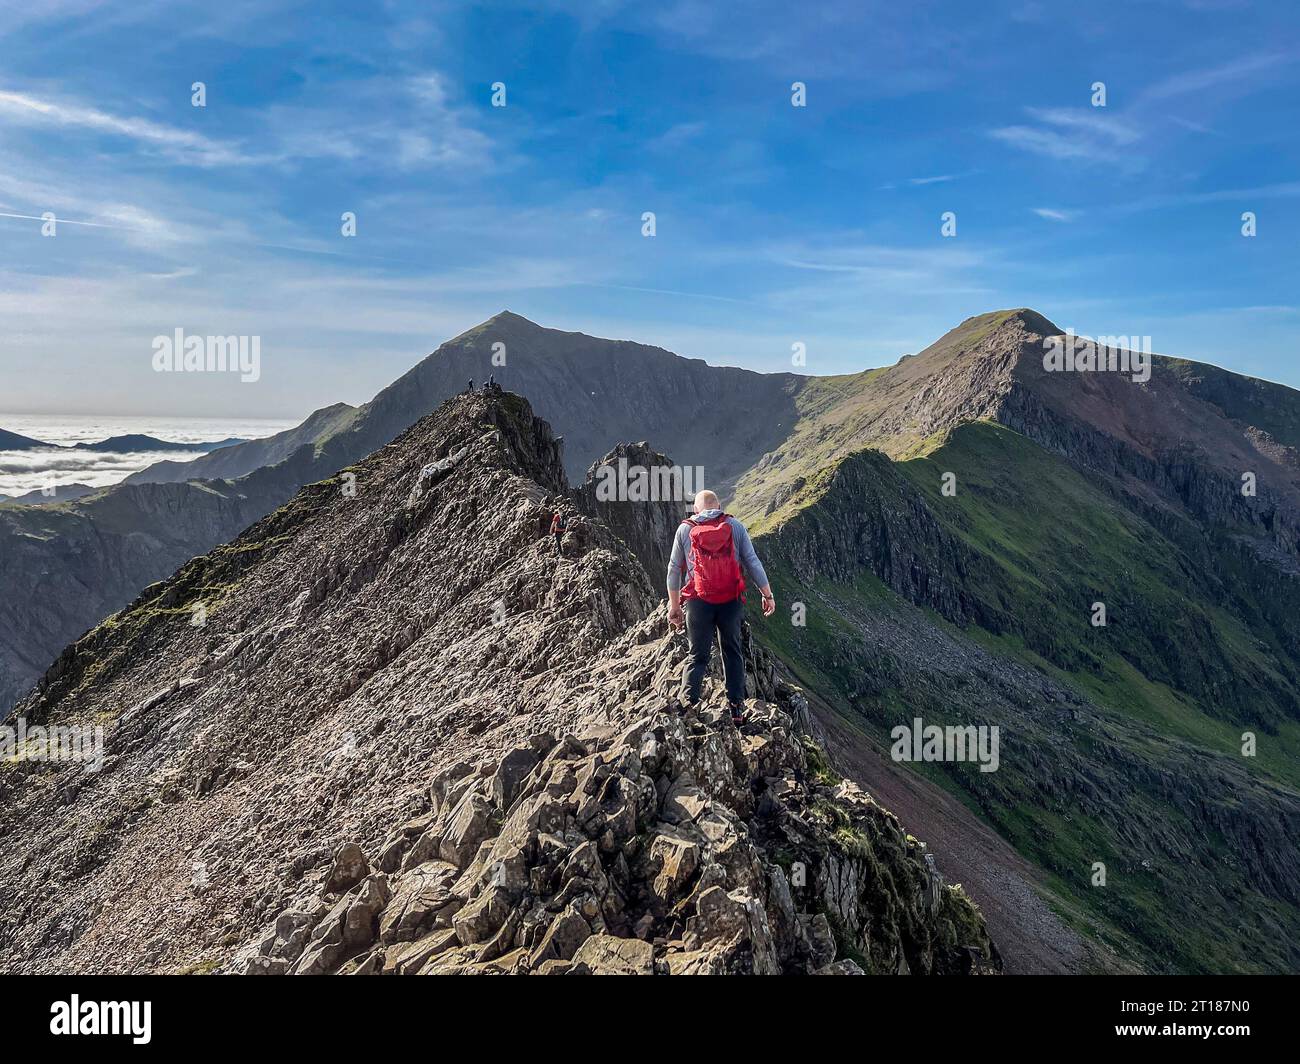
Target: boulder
[[483, 917], [567, 933], [407, 958], [684, 801], [472, 821], [422, 901], [607, 955], [350, 867], [677, 860], [511, 774]]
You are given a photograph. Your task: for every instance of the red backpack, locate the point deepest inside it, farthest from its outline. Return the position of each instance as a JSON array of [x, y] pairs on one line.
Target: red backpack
[[715, 572]]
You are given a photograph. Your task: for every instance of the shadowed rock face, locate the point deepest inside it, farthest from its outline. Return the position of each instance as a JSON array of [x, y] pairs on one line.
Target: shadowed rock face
[[399, 677], [616, 492]]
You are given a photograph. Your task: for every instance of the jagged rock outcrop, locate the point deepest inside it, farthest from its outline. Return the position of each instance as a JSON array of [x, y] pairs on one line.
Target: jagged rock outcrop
[[641, 496], [674, 845]]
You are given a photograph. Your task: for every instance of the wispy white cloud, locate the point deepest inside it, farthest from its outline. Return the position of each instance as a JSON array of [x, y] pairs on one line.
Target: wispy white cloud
[[1243, 71], [179, 145], [676, 137], [1245, 196], [1070, 133], [921, 182], [411, 123], [1054, 214]]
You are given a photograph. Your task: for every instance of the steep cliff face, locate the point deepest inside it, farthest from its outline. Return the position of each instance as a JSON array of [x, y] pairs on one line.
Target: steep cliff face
[[406, 713], [64, 566], [1176, 439], [642, 497]]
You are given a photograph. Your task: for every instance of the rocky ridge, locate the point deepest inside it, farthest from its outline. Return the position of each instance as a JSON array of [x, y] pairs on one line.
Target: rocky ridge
[[674, 845]]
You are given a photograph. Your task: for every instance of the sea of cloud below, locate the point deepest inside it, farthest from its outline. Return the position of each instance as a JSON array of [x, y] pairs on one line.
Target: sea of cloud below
[[26, 471]]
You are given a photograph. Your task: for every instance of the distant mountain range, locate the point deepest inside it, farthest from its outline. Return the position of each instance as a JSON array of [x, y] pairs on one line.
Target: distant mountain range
[[1106, 570], [135, 442], [131, 443], [57, 493]]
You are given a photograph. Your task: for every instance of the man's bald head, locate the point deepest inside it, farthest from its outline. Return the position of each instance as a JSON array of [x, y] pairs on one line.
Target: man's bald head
[[706, 500]]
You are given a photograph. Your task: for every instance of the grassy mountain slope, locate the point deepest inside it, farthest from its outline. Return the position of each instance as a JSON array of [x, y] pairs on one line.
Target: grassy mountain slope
[[895, 409], [1121, 744]]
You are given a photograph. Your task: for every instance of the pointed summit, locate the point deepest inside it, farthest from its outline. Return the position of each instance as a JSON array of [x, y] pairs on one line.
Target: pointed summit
[[509, 317], [503, 323]]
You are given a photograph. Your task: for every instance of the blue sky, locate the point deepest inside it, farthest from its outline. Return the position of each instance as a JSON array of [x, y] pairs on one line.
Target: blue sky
[[775, 224]]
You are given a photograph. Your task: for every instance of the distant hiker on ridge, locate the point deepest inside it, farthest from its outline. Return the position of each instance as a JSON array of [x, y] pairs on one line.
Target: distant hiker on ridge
[[706, 591], [557, 530]]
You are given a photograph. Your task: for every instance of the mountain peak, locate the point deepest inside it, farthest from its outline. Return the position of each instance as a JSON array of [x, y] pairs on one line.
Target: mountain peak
[[1035, 322], [1027, 319], [504, 323]]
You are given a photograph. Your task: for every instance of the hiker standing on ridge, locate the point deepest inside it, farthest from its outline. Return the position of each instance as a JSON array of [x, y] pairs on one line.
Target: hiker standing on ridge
[[706, 591], [557, 531]]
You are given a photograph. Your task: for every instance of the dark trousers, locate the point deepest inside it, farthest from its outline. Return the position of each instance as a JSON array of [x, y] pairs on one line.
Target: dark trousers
[[702, 620]]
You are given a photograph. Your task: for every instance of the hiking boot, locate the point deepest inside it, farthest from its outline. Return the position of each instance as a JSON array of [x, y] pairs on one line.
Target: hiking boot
[[737, 713]]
